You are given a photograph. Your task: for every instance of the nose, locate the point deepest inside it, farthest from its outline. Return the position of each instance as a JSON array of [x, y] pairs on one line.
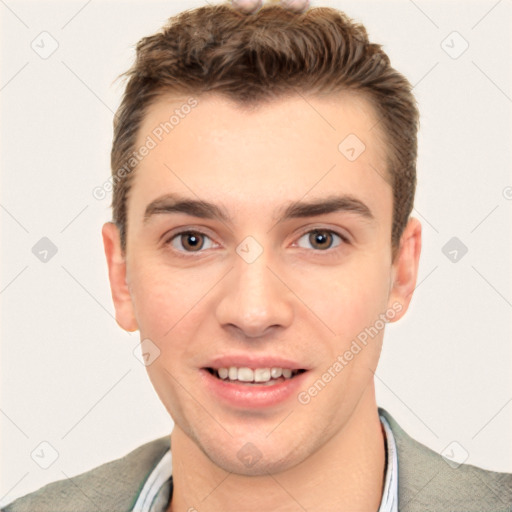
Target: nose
[[255, 300]]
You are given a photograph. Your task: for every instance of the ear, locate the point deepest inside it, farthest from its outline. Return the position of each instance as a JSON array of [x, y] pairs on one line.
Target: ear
[[405, 268], [116, 262]]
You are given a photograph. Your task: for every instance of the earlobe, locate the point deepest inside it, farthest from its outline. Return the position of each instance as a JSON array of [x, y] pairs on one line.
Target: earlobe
[[116, 262], [405, 268]]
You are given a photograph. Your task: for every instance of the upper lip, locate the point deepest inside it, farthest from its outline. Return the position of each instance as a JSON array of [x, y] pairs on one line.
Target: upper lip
[[253, 362]]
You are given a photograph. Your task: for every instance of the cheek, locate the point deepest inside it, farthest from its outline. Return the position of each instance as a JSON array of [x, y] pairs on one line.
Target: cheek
[[171, 307], [161, 299], [166, 308], [353, 297]]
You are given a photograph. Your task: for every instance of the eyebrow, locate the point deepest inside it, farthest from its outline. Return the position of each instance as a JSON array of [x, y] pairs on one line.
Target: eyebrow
[[173, 203], [330, 204]]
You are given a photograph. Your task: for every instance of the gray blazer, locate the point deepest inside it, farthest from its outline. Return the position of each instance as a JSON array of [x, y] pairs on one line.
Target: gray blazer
[[426, 482]]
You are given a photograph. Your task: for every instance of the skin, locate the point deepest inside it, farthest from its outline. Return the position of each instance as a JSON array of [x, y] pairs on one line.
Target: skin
[[299, 299]]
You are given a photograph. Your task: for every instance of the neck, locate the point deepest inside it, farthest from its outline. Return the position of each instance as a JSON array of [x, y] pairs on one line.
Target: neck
[[346, 474]]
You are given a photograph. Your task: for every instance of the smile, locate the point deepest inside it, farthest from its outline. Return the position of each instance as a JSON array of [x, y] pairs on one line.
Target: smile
[[266, 376]]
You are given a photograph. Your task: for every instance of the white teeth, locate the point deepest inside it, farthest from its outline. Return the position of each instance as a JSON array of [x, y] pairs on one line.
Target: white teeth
[[262, 375], [276, 372], [245, 374]]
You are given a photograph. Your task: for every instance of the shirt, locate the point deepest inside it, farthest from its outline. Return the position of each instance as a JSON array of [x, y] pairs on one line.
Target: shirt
[[155, 495]]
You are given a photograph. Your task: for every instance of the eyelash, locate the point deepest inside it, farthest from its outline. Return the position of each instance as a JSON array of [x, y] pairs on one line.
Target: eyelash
[[185, 254]]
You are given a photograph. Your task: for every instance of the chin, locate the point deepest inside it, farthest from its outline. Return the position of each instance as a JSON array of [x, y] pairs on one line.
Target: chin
[[251, 461]]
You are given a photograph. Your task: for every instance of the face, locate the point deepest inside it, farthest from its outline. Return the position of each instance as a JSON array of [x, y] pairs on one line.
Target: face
[[259, 247]]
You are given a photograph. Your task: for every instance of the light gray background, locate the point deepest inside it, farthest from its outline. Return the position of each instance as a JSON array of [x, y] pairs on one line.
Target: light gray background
[[69, 376]]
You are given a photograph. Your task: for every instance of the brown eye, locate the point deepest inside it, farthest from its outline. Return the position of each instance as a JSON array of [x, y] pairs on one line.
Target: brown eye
[[190, 241], [321, 239]]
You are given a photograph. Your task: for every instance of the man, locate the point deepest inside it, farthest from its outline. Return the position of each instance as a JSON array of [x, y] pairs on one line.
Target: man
[[264, 172]]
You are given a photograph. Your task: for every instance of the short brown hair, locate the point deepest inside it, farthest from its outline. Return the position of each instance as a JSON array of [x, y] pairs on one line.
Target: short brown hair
[[256, 58]]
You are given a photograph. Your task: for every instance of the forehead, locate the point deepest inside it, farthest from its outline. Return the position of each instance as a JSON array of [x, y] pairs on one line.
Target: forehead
[[214, 117], [290, 147]]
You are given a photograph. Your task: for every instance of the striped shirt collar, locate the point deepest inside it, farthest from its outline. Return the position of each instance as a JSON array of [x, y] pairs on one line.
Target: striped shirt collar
[[155, 495]]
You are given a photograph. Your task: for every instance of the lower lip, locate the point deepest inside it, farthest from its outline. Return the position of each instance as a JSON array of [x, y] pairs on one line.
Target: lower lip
[[251, 395]]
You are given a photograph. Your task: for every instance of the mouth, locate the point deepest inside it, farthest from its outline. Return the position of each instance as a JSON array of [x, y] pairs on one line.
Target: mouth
[[249, 382], [255, 376]]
